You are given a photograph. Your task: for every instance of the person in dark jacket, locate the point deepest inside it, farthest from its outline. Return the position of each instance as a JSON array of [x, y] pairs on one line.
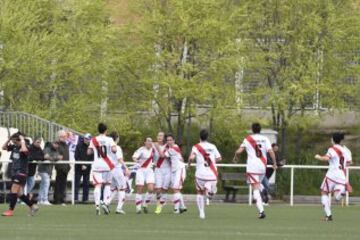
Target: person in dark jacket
[[35, 154], [83, 170], [19, 169], [51, 154], [62, 170]]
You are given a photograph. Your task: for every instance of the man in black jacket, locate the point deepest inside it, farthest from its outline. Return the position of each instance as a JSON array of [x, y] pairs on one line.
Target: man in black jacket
[[62, 170], [83, 170]]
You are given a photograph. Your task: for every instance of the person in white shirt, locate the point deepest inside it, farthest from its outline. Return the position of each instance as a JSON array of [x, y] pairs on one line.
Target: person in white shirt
[[162, 173], [335, 179], [256, 146], [144, 158], [102, 147], [206, 155], [178, 173], [118, 175]]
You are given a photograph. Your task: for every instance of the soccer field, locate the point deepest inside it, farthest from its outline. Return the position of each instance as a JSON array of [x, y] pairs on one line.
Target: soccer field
[[224, 221]]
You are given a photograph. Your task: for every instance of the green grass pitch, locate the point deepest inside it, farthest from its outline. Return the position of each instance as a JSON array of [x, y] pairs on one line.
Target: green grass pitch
[[223, 221]]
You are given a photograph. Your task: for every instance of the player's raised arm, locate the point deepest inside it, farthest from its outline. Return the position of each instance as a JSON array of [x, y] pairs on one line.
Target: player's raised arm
[[324, 158], [6, 144], [23, 147]]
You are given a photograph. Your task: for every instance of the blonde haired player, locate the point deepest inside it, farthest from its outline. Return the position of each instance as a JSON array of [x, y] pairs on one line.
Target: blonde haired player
[[206, 155], [102, 147], [256, 146], [144, 158], [335, 179]]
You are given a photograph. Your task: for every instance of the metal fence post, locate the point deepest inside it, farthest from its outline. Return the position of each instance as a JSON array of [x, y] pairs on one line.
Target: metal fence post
[[292, 187], [347, 192], [72, 164]]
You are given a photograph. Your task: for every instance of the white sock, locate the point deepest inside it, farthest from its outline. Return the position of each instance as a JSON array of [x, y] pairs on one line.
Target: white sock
[[121, 199], [182, 202], [163, 199], [113, 194], [177, 197], [107, 195], [97, 195], [148, 198], [326, 204], [130, 183], [200, 202], [138, 201], [259, 202]]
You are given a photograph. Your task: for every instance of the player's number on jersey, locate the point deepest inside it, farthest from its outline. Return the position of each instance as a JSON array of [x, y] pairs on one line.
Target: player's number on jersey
[[342, 162], [102, 151], [258, 151]]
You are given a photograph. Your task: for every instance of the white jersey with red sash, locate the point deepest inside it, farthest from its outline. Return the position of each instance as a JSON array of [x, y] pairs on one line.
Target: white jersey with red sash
[[101, 145], [256, 147], [175, 156], [162, 162], [144, 157], [337, 163], [206, 155]]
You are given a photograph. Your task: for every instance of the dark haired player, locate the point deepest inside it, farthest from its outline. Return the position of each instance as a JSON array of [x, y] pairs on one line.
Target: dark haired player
[[335, 179], [206, 155], [19, 168], [256, 146], [102, 147]]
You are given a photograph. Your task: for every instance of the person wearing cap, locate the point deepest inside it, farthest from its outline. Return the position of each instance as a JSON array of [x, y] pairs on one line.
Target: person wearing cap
[[83, 170]]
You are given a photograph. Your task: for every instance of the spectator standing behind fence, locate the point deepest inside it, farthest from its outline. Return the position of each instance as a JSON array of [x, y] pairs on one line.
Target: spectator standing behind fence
[[83, 170], [35, 154], [62, 170], [51, 154]]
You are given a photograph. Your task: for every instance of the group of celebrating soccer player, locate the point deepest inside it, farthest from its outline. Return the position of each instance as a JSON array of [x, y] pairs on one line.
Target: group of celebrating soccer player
[[160, 167]]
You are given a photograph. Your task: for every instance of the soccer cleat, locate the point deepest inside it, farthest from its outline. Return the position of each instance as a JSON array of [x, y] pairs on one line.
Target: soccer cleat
[[158, 209], [176, 211], [182, 210], [8, 213], [262, 215], [106, 209], [33, 210], [145, 209], [120, 211], [97, 211], [46, 203], [328, 218], [138, 211], [202, 215]]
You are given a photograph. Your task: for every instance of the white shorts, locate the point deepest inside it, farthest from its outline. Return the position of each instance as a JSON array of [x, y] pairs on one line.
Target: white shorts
[[118, 179], [144, 176], [101, 177], [162, 178], [178, 178], [253, 178], [208, 185], [329, 186]]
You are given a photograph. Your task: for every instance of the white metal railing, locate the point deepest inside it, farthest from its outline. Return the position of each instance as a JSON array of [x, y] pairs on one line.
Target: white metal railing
[[225, 165]]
